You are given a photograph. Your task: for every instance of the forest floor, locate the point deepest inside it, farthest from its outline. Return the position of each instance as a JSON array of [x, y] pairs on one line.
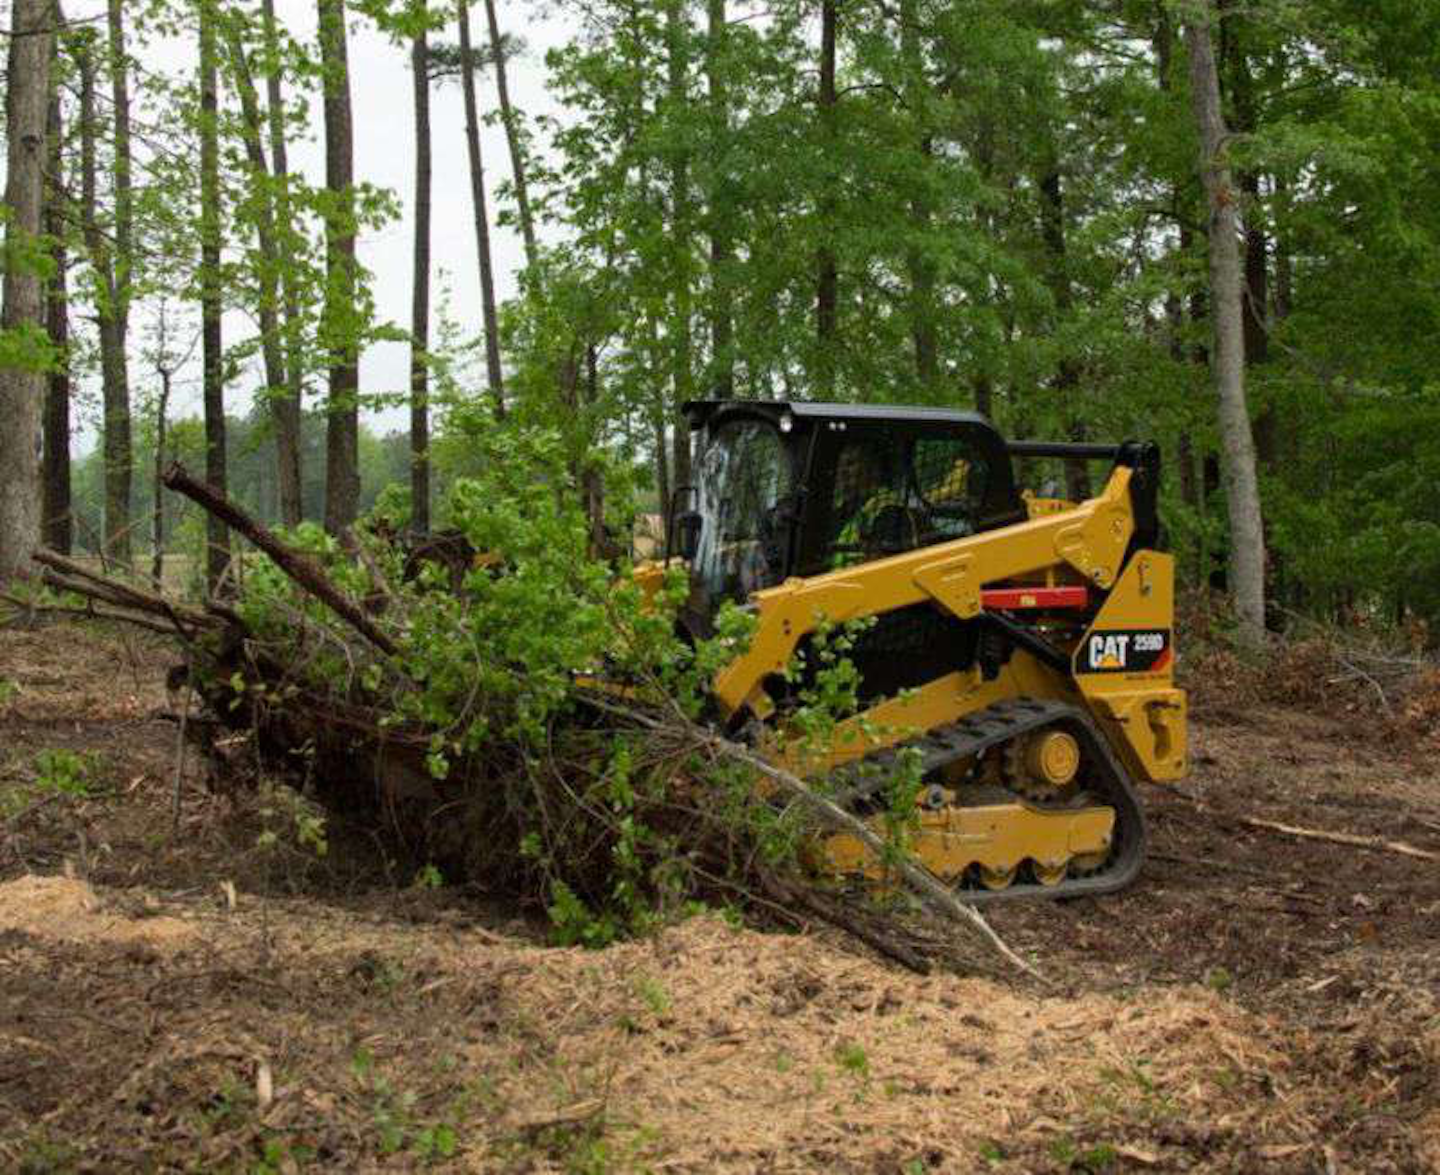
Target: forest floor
[[189, 988]]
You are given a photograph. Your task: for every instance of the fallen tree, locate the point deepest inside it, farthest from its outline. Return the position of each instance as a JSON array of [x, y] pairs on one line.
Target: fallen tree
[[455, 722]]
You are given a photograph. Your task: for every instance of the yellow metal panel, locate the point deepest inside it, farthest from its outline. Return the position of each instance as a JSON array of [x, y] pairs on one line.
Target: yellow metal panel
[[1133, 696], [999, 837]]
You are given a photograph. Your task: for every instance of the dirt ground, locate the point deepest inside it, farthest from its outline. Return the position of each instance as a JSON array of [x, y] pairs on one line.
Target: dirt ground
[[191, 987]]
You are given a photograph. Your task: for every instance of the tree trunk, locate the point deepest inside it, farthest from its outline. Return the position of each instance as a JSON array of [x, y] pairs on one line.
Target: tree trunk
[[664, 486], [115, 392], [722, 249], [342, 431], [482, 218], [1284, 271], [58, 528], [1256, 300], [682, 378], [1247, 539], [284, 411], [919, 264], [984, 390], [921, 270], [292, 324], [420, 296], [592, 483], [1067, 377], [512, 137], [827, 295], [21, 389], [157, 522], [217, 544], [116, 357], [1163, 44]]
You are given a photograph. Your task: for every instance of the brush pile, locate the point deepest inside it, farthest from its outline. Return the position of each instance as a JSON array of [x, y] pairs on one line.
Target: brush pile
[[433, 696]]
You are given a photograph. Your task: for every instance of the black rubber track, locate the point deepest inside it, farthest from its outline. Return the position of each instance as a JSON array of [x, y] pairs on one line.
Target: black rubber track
[[995, 726]]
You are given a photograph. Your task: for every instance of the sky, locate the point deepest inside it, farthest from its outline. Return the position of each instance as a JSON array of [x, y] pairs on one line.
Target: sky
[[383, 106]]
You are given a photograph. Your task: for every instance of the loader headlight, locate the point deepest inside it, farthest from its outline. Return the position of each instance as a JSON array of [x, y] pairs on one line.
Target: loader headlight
[[787, 422]]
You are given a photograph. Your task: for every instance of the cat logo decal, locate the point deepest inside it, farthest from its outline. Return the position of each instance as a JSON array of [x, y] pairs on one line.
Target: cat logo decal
[[1145, 650]]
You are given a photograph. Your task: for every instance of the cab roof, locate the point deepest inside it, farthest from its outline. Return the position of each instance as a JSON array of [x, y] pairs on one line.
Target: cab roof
[[701, 412]]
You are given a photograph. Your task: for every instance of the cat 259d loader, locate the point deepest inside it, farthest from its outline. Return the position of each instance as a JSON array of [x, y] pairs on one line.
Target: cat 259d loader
[[1023, 646]]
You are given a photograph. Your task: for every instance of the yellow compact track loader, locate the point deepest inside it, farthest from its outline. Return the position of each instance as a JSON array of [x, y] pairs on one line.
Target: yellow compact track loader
[[1023, 646]]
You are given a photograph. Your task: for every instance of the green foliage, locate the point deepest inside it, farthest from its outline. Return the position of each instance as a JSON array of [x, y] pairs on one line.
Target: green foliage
[[384, 464], [291, 822], [1013, 190], [76, 774], [1010, 198], [492, 686], [399, 1125], [428, 877], [574, 924], [853, 1059]]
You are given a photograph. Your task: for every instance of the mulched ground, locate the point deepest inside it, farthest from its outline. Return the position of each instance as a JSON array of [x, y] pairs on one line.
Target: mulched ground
[[210, 995]]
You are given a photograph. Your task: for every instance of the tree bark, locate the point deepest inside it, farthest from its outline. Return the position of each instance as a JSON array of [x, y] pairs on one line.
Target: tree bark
[[1163, 45], [291, 322], [984, 390], [923, 315], [1284, 271], [592, 483], [21, 389], [157, 521], [1067, 377], [342, 431], [420, 295], [664, 485], [114, 343], [299, 566], [1256, 301], [494, 371], [827, 295], [58, 527], [217, 538], [284, 409], [1247, 538], [682, 376], [124, 198], [722, 248], [107, 259], [513, 141], [919, 263]]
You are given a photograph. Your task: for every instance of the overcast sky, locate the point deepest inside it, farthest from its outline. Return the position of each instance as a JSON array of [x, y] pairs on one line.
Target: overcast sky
[[381, 91]]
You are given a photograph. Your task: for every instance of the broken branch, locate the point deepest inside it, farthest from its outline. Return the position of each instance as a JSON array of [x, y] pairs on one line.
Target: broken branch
[[299, 567], [1378, 843]]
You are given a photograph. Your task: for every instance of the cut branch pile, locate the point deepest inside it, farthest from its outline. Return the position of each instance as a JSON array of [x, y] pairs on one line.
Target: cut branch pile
[[620, 802]]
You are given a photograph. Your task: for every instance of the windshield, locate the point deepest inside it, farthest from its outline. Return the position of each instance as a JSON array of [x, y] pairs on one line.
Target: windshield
[[744, 474]]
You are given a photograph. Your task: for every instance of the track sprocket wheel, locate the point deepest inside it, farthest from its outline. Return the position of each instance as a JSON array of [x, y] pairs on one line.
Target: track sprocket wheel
[[1042, 766]]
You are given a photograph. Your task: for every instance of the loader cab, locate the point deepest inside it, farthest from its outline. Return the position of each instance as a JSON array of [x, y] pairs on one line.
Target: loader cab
[[790, 488]]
